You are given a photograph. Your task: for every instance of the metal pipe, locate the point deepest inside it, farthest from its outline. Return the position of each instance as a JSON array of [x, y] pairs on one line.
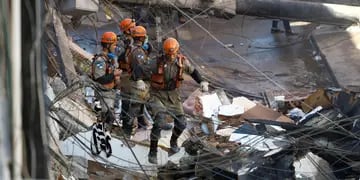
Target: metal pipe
[[227, 6], [298, 10], [16, 108], [317, 12], [345, 2]]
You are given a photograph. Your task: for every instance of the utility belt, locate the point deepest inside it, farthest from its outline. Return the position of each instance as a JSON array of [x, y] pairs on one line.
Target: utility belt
[[158, 83]]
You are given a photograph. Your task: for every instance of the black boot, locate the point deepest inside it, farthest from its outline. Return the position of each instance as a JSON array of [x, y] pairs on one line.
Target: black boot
[[153, 152], [173, 142]]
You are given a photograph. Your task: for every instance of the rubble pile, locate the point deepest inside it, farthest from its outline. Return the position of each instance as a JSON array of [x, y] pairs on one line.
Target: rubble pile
[[261, 142], [281, 137]]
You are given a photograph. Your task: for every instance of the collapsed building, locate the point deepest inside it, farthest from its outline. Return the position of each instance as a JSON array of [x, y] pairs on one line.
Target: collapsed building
[[260, 144], [257, 136]]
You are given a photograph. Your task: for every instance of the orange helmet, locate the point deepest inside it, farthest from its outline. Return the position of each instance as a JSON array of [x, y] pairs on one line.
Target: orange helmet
[[138, 31], [109, 37], [126, 24], [171, 46]]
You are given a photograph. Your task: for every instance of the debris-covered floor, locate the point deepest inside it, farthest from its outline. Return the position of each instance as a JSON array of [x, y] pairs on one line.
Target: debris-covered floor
[[275, 109]]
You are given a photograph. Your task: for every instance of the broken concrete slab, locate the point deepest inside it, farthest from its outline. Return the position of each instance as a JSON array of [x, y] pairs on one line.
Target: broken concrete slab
[[79, 7], [262, 112], [65, 53], [341, 49]]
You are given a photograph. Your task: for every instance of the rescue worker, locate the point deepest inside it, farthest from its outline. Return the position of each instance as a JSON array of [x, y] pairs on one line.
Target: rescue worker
[[125, 40], [166, 78], [108, 76], [286, 23], [104, 71], [135, 88]]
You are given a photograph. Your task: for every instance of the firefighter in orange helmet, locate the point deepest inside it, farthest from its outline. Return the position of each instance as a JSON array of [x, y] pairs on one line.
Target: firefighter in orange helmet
[[103, 70], [126, 24], [125, 40], [105, 73], [134, 87], [166, 79]]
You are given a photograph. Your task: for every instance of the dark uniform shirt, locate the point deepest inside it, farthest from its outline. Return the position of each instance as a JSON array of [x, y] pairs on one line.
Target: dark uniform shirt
[[168, 99], [139, 60]]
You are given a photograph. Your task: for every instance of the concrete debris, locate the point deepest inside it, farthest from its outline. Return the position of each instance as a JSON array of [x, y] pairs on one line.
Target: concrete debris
[[189, 105], [296, 114], [57, 85], [229, 45], [65, 53], [98, 170], [231, 110], [79, 7], [308, 168], [267, 139], [308, 134]]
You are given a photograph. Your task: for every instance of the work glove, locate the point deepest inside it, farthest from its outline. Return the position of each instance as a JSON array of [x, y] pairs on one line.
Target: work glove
[[140, 84], [117, 72], [204, 86]]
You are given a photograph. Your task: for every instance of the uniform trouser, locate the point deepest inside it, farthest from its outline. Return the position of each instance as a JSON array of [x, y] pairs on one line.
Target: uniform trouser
[[130, 110], [111, 109], [141, 117], [132, 105], [285, 23], [160, 106], [160, 119]]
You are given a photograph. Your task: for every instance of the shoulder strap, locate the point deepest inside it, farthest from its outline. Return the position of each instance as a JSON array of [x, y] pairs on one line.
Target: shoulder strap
[[180, 64], [181, 60], [160, 65], [128, 51], [92, 65]]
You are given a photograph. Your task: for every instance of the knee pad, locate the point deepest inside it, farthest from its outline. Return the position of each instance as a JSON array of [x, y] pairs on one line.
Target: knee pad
[[180, 122], [159, 118]]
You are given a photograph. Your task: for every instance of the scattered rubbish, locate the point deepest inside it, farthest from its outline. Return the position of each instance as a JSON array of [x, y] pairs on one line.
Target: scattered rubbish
[[280, 101], [317, 58], [229, 45], [244, 102], [310, 114], [225, 131], [210, 104], [216, 122], [237, 137], [204, 128], [190, 105], [231, 110], [296, 114], [222, 96]]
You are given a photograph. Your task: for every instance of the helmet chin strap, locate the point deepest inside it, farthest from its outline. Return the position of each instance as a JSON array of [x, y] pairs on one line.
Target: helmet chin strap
[[108, 48], [109, 51]]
